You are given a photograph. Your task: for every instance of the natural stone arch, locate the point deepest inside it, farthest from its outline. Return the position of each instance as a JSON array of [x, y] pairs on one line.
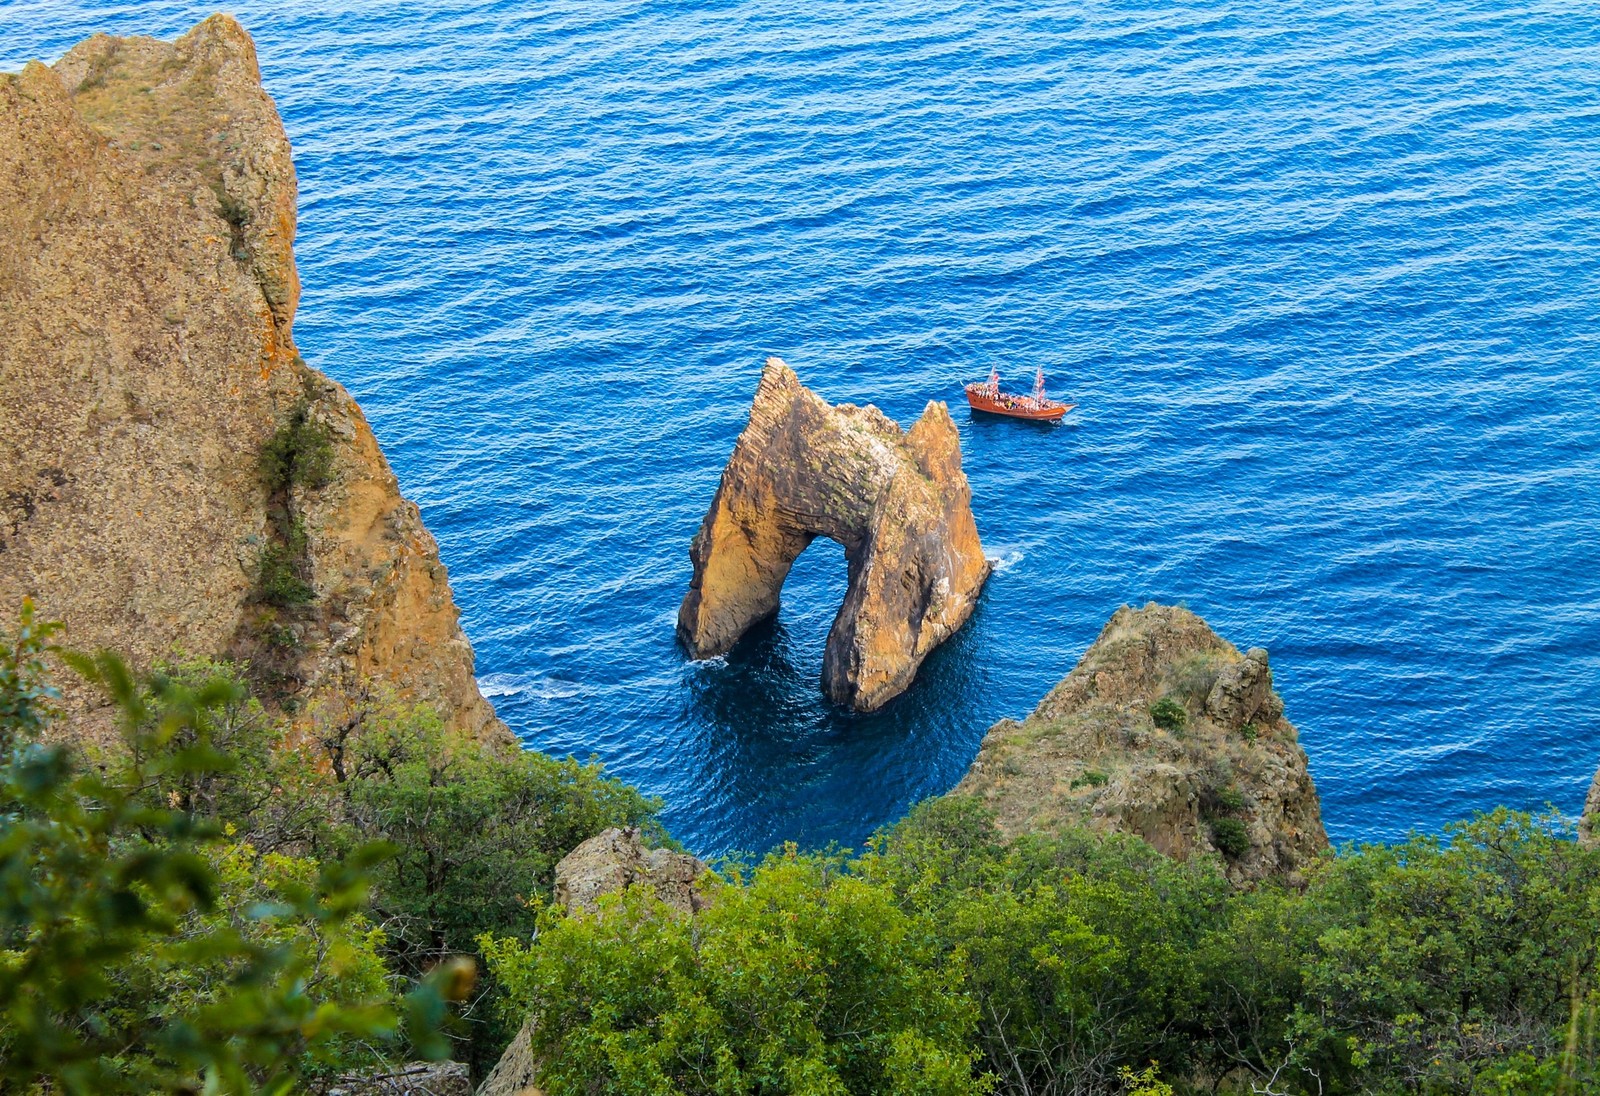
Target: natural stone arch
[[896, 500]]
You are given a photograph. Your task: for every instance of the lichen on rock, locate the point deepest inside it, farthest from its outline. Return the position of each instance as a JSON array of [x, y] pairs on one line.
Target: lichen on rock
[[617, 858], [897, 501], [147, 298], [1163, 730]]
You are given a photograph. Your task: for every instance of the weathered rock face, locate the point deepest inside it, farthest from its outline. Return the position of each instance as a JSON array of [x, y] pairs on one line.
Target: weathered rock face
[[147, 293], [615, 859], [1589, 825], [1232, 778], [897, 501], [607, 863]]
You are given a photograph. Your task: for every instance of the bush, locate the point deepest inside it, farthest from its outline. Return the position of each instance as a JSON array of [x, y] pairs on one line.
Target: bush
[[1168, 714], [1092, 778], [1230, 837], [278, 580], [298, 454], [1446, 958], [1230, 799], [807, 979], [478, 833], [140, 949]]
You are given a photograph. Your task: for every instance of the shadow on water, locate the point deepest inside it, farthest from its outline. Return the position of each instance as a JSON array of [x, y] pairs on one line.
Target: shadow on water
[[760, 711], [990, 420]]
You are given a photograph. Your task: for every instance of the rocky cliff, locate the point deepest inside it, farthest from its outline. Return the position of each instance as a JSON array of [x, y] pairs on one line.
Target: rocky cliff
[[1163, 730], [147, 298], [898, 502], [1589, 824]]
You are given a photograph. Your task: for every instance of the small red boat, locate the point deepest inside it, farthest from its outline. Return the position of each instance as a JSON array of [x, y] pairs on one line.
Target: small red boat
[[986, 396]]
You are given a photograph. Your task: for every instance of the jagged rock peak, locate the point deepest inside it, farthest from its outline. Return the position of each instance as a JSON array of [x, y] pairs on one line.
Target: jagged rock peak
[[896, 500], [147, 299], [1166, 731]]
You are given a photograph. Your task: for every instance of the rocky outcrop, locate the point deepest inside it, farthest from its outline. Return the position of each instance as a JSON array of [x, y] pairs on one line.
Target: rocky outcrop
[[147, 297], [615, 859], [1589, 824], [897, 501], [1166, 731], [607, 863]]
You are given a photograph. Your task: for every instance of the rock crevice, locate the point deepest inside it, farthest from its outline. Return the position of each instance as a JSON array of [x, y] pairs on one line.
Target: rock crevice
[[897, 501]]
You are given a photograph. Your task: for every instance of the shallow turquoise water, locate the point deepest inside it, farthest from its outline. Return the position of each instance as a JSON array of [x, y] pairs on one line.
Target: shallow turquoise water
[[1323, 278]]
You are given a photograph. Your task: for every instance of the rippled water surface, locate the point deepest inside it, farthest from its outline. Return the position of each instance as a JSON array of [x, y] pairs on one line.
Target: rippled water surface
[[1324, 278]]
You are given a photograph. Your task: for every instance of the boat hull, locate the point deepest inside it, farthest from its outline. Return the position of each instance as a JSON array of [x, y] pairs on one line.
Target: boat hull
[[1016, 407]]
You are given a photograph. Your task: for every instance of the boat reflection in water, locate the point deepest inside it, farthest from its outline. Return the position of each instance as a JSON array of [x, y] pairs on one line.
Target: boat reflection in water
[[986, 396]]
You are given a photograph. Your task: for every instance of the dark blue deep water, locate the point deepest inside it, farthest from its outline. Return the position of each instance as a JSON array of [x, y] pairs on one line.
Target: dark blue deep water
[[1324, 277]]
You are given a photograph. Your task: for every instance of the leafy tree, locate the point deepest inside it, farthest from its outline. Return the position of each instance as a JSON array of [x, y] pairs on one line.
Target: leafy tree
[[1446, 957], [477, 833], [805, 980], [140, 951]]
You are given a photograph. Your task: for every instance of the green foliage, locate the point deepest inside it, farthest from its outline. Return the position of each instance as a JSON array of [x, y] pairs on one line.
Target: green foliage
[[1250, 732], [280, 567], [1230, 836], [478, 832], [190, 910], [1230, 798], [298, 454], [1169, 714], [1444, 954], [806, 980], [210, 872], [140, 949], [1147, 1082], [1092, 778], [25, 692]]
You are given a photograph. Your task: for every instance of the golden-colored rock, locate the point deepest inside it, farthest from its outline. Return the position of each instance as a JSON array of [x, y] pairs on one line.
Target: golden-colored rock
[[147, 295], [1217, 768], [897, 501]]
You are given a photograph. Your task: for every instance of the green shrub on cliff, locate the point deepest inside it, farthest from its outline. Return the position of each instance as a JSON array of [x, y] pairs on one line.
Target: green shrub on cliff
[[1463, 965], [281, 566], [1169, 714], [191, 902], [1444, 956], [298, 454], [1230, 836]]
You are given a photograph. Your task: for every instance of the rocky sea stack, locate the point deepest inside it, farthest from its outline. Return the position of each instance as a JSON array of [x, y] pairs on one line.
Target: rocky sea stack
[[898, 502], [174, 479], [1163, 730]]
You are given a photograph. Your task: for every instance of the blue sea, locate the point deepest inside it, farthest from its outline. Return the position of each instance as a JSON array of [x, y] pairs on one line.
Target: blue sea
[[1324, 279]]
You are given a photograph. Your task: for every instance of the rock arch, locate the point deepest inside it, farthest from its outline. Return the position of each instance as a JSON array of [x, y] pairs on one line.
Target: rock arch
[[898, 502]]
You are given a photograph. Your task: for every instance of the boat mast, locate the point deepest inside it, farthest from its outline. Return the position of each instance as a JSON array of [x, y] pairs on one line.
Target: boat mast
[[994, 379], [1038, 385]]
